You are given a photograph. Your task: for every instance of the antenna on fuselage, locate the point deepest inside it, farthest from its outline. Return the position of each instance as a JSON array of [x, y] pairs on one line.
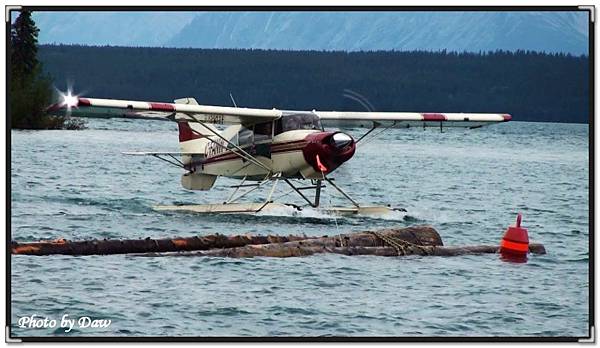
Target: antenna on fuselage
[[232, 100]]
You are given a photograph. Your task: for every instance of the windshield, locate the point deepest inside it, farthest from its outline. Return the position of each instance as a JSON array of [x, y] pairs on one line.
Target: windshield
[[297, 121]]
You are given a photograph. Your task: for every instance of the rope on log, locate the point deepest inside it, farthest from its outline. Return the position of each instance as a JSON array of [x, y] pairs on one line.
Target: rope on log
[[399, 245]]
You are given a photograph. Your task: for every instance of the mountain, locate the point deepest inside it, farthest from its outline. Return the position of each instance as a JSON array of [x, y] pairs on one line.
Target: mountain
[[353, 31], [548, 31], [110, 28]]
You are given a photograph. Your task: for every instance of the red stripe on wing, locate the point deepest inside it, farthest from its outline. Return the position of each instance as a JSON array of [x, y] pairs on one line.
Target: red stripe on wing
[[83, 102], [433, 117], [162, 107]]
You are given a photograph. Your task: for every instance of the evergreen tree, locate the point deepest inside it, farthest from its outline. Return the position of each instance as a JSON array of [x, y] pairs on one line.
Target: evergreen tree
[[23, 37], [30, 91]]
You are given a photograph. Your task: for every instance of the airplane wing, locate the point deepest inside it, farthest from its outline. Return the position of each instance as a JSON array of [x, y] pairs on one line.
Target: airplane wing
[[188, 109], [113, 108], [408, 119]]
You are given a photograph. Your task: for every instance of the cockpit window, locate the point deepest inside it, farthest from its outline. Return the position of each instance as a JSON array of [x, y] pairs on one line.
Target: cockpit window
[[262, 131], [297, 121], [244, 136]]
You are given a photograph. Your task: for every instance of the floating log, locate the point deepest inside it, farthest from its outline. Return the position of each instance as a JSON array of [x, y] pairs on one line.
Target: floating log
[[114, 246], [414, 240], [422, 235], [295, 249]]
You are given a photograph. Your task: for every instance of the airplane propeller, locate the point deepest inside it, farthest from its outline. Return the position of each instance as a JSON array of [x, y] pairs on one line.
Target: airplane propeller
[[341, 140]]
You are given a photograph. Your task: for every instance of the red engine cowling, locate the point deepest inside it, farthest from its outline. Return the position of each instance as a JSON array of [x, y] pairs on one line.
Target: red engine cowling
[[326, 151]]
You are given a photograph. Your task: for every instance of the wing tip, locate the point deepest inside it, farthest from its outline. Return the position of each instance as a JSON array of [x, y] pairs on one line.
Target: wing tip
[[83, 102]]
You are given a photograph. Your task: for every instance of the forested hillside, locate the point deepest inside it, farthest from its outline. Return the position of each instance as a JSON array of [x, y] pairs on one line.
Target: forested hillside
[[530, 86]]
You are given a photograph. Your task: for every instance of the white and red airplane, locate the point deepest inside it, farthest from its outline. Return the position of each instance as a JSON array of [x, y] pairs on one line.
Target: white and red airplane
[[262, 145]]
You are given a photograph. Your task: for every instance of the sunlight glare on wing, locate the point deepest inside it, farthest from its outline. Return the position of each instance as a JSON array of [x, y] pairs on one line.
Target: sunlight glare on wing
[[69, 100]]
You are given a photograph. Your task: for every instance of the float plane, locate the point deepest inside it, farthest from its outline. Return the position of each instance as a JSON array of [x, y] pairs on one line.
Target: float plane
[[263, 146]]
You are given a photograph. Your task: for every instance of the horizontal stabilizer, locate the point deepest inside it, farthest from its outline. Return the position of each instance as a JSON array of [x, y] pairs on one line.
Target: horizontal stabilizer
[[188, 101]]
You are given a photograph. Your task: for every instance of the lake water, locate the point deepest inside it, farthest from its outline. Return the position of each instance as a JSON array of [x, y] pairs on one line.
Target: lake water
[[468, 184]]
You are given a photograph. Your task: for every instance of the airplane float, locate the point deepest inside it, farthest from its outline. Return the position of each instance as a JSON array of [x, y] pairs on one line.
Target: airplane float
[[263, 146]]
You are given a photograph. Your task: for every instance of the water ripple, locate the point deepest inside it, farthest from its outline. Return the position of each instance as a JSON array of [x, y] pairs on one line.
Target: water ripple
[[457, 181]]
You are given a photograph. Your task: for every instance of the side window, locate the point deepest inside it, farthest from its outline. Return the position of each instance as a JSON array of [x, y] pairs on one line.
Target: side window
[[244, 136], [263, 131], [292, 122], [278, 124]]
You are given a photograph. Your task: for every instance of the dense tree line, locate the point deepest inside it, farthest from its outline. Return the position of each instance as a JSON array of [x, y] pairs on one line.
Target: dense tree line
[[531, 86], [30, 90]]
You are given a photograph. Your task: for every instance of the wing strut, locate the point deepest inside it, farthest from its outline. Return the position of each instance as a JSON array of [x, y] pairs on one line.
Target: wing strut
[[375, 135], [341, 191], [317, 192], [243, 154], [175, 161], [375, 125], [233, 200]]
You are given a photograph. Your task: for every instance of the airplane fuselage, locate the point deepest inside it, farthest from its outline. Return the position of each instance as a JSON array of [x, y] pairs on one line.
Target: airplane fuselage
[[295, 148]]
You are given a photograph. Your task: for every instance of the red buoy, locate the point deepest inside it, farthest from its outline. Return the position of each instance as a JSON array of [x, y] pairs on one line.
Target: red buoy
[[515, 243]]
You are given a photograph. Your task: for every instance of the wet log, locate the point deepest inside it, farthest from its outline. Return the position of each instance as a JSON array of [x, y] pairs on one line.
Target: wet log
[[108, 246], [419, 235], [414, 240], [296, 249]]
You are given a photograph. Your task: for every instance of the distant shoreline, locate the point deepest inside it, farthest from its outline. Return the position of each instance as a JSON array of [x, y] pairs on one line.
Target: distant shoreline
[[531, 86], [448, 51]]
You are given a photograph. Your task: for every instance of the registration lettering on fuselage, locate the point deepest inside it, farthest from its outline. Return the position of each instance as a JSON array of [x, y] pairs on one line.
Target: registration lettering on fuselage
[[216, 147], [215, 119]]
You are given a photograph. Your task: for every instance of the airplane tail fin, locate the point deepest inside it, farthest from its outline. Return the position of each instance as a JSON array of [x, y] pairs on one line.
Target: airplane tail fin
[[193, 136]]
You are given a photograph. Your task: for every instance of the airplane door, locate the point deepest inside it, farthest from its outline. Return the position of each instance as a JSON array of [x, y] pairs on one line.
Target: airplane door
[[263, 137]]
